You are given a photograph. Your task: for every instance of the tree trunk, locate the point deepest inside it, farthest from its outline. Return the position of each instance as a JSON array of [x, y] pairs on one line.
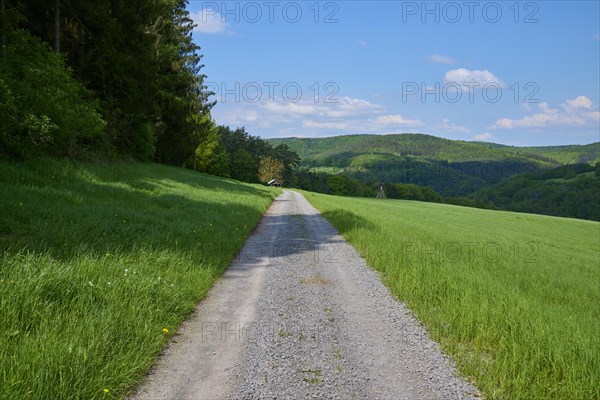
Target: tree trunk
[[3, 28], [81, 40], [57, 27]]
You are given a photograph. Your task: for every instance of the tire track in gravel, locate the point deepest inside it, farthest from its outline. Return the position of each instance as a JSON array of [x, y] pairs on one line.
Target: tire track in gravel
[[300, 315]]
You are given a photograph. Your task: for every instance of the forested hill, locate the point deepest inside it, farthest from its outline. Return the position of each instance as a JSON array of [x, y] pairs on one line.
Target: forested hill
[[328, 150], [450, 167], [569, 154], [570, 190]]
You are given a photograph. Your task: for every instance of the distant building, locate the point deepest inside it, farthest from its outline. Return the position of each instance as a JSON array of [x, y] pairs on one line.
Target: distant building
[[275, 182]]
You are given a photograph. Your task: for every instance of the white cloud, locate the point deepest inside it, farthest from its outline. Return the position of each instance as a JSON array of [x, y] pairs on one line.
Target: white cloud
[[362, 43], [291, 109], [576, 112], [483, 136], [337, 125], [447, 126], [245, 117], [477, 78], [305, 117], [397, 119], [208, 22], [578, 103], [251, 116], [438, 59], [346, 107]]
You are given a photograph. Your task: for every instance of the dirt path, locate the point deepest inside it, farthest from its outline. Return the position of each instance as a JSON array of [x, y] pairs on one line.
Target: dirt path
[[300, 315]]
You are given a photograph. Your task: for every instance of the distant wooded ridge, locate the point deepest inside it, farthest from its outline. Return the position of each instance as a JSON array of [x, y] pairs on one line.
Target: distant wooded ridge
[[530, 179]]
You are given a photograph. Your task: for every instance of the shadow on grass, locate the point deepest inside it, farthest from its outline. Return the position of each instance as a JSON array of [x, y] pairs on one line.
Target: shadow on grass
[[66, 209], [345, 221], [148, 176], [101, 260]]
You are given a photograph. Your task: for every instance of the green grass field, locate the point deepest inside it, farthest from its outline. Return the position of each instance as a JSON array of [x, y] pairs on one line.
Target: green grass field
[[514, 298], [327, 170], [99, 265]]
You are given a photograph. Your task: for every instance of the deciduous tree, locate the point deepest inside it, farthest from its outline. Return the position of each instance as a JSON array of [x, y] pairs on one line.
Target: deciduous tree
[[270, 168]]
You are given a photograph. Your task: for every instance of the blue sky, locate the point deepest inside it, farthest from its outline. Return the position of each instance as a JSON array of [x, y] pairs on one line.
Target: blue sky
[[518, 73]]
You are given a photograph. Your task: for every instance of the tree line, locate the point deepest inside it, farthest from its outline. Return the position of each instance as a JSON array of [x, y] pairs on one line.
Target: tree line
[[117, 79], [344, 185], [234, 153], [570, 190]]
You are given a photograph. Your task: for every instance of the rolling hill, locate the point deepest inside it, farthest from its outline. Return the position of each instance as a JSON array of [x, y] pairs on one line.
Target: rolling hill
[[570, 191], [451, 167]]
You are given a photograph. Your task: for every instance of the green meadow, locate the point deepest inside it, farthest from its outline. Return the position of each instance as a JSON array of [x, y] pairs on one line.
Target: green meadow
[[514, 298], [100, 264]]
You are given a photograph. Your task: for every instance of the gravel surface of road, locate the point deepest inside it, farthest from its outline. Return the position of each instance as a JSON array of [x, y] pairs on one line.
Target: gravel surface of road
[[300, 315]]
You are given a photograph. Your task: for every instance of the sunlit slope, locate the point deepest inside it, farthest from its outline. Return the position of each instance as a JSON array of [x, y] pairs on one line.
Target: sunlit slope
[[321, 150]]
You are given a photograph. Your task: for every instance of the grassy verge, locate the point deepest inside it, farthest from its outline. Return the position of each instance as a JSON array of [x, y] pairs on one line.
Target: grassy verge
[[100, 264], [513, 297]]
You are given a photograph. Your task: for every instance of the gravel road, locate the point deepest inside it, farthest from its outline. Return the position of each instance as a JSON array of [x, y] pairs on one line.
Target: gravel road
[[300, 315]]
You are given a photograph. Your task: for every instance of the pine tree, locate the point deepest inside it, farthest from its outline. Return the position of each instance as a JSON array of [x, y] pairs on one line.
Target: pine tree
[[184, 119]]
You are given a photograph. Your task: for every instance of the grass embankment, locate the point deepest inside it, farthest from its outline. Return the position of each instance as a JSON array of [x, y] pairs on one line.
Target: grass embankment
[[100, 264], [513, 297]]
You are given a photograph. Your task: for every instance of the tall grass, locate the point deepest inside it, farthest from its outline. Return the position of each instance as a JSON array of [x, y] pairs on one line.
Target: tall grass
[[100, 264], [515, 298]]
